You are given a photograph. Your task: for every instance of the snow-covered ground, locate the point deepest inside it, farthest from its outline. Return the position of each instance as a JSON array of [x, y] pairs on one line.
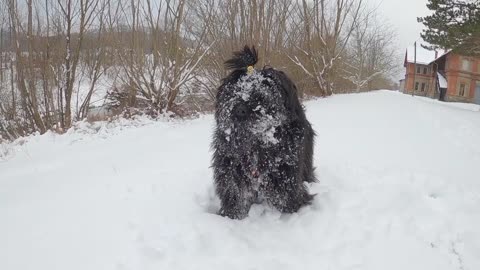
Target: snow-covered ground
[[399, 189]]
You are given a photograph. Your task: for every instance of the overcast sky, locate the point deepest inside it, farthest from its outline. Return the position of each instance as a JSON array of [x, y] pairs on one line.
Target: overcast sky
[[402, 14]]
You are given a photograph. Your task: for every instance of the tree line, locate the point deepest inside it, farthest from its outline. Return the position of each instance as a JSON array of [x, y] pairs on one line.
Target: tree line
[[167, 55]]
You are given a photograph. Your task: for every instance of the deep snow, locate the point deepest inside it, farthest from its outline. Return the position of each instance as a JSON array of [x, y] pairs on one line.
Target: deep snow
[[399, 189]]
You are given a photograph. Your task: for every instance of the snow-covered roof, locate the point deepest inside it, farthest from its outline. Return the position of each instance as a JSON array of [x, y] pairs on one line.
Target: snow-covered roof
[[442, 53], [424, 56], [442, 80]]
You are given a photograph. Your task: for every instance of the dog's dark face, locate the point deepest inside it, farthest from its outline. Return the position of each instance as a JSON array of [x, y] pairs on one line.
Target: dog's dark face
[[250, 109]]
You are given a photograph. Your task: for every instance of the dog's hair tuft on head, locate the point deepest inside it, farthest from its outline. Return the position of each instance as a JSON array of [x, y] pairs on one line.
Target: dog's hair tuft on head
[[242, 59]]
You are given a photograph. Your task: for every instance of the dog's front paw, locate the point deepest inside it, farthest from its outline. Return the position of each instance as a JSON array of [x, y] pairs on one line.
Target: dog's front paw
[[232, 213]]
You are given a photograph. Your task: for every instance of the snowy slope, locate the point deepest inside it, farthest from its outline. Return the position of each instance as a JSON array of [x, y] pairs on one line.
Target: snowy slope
[[399, 189]]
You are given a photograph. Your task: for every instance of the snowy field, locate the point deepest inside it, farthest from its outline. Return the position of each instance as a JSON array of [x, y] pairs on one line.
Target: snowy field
[[399, 189]]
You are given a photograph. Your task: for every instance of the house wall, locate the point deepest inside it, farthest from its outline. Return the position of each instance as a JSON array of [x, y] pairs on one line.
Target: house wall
[[411, 72], [457, 75]]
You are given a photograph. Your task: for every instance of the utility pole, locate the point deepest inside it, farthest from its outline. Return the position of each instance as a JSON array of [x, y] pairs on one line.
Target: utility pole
[[414, 66]]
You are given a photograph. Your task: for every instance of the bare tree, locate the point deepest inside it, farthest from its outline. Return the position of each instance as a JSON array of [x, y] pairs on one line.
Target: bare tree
[[46, 74], [263, 23], [371, 53], [93, 60], [166, 55], [25, 77], [164, 51], [3, 23], [327, 26], [71, 14]]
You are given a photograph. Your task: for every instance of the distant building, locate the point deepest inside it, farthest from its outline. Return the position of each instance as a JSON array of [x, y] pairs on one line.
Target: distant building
[[446, 76]]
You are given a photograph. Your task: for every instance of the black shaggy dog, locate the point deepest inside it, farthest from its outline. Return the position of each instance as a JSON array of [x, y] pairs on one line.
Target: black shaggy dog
[[263, 143]]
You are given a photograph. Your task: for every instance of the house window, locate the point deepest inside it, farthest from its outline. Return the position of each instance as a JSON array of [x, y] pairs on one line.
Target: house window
[[466, 65], [461, 91], [423, 87], [425, 70], [418, 70], [416, 86]]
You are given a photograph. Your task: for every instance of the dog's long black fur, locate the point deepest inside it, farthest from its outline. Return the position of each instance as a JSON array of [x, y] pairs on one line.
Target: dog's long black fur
[[263, 142]]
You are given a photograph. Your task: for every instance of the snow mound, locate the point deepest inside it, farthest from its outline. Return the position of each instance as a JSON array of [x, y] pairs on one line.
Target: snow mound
[[458, 105], [398, 189]]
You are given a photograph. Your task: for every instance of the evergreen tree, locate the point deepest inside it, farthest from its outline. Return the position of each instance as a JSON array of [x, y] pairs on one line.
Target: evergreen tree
[[455, 24]]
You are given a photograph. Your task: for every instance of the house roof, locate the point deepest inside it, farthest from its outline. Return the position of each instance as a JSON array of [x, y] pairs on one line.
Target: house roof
[[424, 56], [441, 55]]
